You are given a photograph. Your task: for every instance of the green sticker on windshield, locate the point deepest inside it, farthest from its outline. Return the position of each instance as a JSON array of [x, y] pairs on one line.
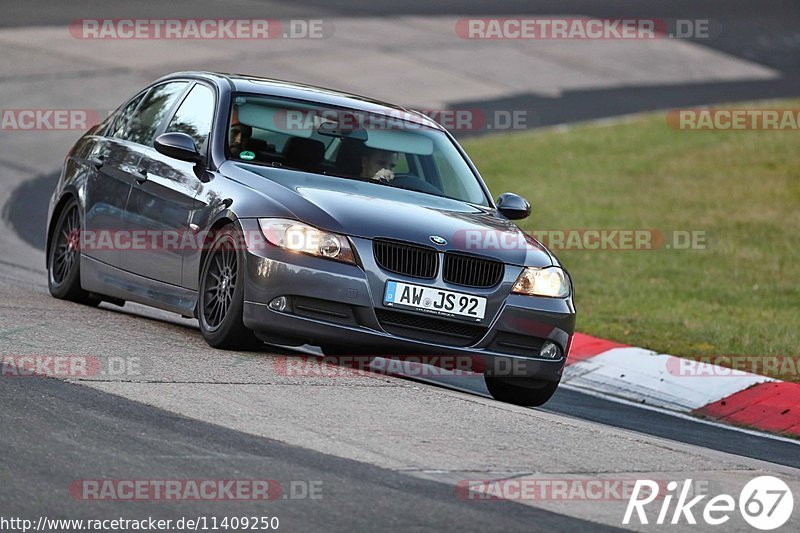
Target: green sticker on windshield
[[247, 156]]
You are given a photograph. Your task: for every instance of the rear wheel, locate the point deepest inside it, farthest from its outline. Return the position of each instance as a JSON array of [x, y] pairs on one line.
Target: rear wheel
[[521, 391], [221, 299], [64, 257]]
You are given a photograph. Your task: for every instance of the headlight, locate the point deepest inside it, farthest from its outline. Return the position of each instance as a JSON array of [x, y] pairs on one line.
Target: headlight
[[550, 281], [298, 237]]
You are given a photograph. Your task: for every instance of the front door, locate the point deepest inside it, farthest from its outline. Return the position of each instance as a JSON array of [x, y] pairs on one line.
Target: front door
[[159, 207]]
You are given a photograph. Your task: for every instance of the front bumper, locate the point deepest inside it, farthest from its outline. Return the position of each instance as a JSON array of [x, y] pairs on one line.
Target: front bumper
[[332, 303]]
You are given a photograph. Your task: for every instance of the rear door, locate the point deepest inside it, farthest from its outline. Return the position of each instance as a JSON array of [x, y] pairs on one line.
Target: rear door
[[161, 205]]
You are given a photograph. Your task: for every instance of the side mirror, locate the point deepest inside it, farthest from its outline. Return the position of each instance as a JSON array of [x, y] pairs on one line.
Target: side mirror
[[178, 146], [513, 206]]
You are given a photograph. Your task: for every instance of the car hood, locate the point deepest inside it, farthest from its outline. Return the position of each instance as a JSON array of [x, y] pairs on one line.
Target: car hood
[[372, 210]]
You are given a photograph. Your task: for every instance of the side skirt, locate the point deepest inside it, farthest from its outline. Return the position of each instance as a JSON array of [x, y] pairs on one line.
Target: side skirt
[[106, 280]]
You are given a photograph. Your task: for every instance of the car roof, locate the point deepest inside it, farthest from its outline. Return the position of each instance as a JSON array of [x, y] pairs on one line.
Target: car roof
[[299, 91]]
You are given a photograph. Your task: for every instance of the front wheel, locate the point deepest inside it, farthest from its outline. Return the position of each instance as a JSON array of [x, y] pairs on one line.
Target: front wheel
[[521, 391], [221, 298]]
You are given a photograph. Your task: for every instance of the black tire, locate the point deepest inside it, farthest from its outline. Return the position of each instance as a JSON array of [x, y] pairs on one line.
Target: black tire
[[221, 295], [64, 257], [521, 391]]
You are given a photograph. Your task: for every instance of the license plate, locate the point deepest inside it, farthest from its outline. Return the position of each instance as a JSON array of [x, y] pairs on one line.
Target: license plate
[[435, 301]]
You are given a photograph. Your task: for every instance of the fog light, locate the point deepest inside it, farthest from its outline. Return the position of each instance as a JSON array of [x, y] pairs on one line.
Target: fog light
[[279, 303], [550, 351]]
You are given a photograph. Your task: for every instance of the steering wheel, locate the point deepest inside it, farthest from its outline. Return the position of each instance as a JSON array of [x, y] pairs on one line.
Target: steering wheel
[[414, 183]]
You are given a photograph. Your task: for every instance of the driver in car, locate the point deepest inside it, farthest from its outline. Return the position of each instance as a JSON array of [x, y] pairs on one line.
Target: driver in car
[[378, 164], [239, 138]]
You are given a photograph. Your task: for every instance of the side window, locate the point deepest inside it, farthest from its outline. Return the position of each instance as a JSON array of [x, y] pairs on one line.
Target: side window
[[123, 117], [194, 115], [402, 164], [152, 111]]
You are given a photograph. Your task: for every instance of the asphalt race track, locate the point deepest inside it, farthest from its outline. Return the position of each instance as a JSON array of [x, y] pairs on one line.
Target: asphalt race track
[[120, 436], [387, 452]]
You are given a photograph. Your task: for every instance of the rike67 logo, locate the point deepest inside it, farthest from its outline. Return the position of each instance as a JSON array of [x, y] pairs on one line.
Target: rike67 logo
[[765, 503]]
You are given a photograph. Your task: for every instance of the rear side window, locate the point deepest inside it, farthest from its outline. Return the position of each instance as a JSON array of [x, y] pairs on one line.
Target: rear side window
[[118, 127], [194, 116], [149, 115]]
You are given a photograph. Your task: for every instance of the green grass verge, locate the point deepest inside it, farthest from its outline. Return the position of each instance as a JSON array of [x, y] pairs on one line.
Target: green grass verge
[[739, 296]]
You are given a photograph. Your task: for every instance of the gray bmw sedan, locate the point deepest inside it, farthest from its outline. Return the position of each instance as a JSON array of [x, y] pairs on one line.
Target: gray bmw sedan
[[289, 214]]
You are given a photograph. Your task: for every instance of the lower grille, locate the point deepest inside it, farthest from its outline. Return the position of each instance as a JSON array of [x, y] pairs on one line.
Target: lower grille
[[516, 344], [429, 329], [323, 310]]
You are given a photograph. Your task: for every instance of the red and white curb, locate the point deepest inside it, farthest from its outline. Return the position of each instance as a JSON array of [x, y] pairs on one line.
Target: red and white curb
[[659, 380]]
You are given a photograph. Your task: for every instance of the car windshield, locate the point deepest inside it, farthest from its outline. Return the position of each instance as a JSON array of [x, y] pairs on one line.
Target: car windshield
[[396, 151]]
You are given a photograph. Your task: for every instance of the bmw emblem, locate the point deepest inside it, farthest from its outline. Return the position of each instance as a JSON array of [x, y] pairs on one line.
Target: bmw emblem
[[435, 239]]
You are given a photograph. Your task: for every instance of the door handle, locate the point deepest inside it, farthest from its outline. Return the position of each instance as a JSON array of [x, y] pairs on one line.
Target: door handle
[[97, 162], [140, 176]]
